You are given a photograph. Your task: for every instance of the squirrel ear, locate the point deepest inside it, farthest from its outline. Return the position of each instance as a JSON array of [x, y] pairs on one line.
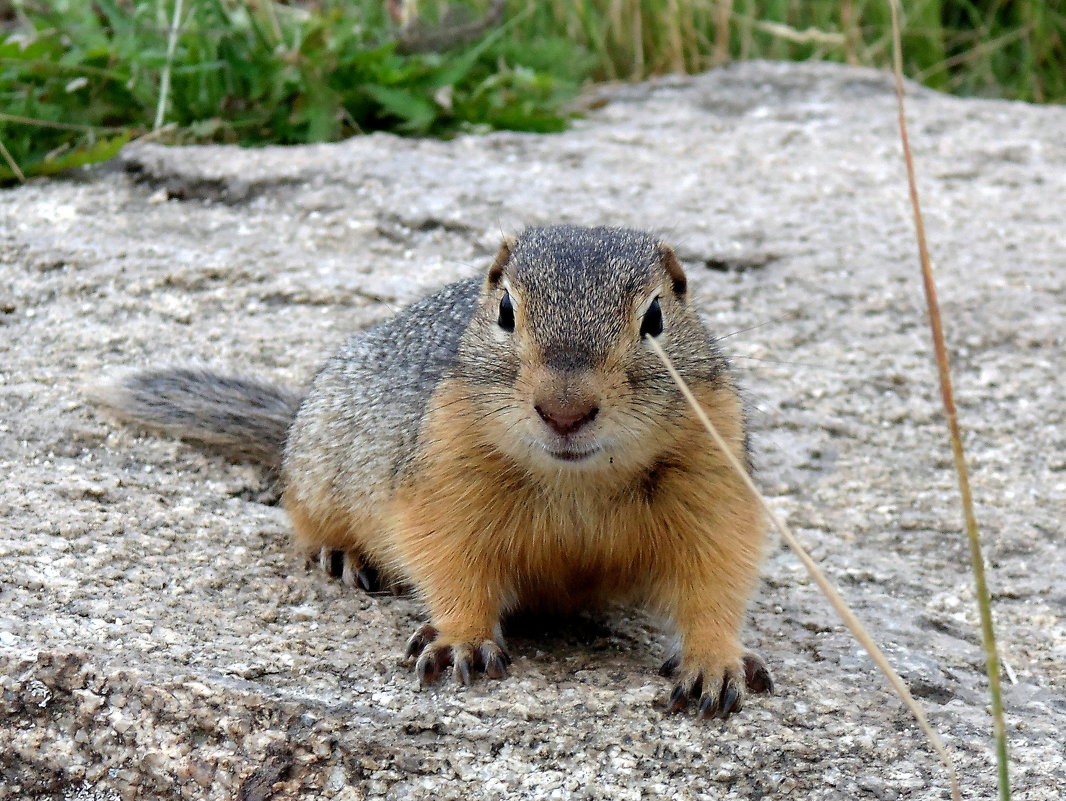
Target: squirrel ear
[[673, 268], [502, 257]]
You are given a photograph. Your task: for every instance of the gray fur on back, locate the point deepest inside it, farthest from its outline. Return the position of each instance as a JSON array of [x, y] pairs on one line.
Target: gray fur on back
[[358, 426]]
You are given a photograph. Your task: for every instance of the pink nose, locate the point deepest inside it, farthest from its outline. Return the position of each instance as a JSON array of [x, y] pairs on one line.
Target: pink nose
[[566, 419]]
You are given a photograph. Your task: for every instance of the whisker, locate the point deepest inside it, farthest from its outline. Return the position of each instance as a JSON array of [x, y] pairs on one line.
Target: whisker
[[749, 328], [819, 367]]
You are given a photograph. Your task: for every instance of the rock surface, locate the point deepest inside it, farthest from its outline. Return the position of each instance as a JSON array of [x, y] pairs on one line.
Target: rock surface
[[158, 639]]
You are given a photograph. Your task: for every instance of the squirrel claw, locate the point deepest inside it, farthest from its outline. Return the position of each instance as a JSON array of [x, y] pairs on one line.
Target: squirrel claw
[[756, 675], [495, 660], [678, 699], [431, 663], [331, 562], [670, 666], [367, 579], [721, 706], [419, 640]]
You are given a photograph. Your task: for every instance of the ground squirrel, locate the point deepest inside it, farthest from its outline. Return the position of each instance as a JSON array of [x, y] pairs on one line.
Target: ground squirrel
[[511, 442]]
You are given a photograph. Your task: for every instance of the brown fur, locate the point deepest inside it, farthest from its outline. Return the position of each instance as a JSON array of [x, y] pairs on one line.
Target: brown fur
[[480, 539]]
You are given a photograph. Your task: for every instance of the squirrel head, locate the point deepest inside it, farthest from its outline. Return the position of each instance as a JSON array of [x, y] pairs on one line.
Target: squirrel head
[[557, 356]]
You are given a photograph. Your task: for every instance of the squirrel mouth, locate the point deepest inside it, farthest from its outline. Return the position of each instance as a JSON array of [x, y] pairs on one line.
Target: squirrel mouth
[[572, 456]]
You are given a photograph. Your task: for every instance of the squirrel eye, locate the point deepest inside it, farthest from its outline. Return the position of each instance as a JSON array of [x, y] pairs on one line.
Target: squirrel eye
[[506, 319], [652, 323]]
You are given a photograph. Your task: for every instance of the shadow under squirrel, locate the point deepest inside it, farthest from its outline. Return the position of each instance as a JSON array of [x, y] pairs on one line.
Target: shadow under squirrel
[[510, 443]]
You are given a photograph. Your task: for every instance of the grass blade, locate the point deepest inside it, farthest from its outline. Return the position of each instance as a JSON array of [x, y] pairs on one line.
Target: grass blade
[[11, 163], [947, 394], [62, 126], [164, 79], [830, 592]]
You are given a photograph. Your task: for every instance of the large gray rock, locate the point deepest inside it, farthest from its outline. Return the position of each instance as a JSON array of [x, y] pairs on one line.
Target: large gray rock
[[158, 639]]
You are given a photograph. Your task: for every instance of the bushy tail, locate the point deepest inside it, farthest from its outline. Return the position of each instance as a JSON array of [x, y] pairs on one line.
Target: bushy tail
[[246, 419]]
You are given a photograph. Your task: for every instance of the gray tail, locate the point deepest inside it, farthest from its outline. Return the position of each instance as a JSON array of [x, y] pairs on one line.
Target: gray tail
[[245, 419]]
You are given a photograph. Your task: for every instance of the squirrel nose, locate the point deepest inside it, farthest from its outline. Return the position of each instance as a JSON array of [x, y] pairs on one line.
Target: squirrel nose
[[566, 419]]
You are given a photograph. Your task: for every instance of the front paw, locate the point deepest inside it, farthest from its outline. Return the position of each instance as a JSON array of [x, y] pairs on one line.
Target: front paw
[[435, 652], [720, 689]]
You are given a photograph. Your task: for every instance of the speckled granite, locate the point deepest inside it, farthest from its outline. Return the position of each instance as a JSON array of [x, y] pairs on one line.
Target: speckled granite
[[158, 639]]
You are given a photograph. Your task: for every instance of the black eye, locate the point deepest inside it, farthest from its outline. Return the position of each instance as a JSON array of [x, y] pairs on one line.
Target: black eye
[[652, 324], [506, 319]]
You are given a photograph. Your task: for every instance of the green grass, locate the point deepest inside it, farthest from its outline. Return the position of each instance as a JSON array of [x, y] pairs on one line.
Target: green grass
[[257, 72]]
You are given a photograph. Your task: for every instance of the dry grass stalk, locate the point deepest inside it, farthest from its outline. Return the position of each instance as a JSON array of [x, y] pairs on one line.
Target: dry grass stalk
[[948, 397]]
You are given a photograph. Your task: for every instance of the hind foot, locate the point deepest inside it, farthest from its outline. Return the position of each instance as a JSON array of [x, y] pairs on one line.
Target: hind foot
[[350, 568]]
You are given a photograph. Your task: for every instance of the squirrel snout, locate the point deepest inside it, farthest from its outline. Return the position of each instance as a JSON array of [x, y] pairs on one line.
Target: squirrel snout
[[565, 418]]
